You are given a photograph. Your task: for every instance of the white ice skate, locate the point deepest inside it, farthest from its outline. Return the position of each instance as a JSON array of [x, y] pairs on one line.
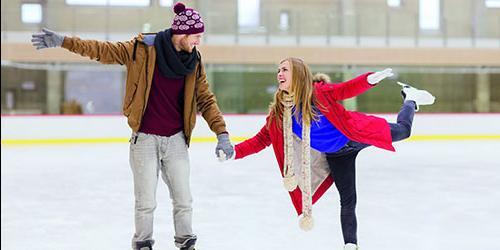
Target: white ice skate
[[350, 246], [420, 97]]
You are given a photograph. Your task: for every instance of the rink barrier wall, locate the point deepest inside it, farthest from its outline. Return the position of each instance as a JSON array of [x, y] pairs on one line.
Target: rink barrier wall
[[270, 54], [92, 129]]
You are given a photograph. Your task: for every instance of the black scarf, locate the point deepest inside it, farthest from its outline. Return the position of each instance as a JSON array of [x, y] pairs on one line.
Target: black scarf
[[171, 63]]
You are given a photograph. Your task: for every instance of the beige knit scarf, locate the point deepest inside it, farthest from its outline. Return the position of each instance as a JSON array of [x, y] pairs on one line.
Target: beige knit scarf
[[290, 180]]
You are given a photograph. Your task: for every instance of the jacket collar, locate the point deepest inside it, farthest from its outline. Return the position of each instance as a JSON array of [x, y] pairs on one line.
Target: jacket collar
[[147, 38]]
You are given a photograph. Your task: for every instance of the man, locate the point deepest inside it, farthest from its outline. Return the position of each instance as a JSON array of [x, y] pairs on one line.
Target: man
[[166, 85]]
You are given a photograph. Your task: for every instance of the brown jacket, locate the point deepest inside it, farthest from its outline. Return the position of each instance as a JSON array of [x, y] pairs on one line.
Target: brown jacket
[[139, 56]]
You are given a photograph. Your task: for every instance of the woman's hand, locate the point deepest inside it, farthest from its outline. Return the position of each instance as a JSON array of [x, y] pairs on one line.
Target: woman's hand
[[222, 156], [379, 76]]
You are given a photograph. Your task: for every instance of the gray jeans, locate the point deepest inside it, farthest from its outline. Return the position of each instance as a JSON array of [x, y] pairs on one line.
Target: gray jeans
[[150, 154]]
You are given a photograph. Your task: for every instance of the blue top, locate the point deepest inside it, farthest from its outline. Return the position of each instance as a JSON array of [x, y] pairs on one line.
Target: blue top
[[325, 137]]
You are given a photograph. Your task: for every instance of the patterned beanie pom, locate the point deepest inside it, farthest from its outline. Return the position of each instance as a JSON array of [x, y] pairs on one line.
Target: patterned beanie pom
[[179, 7]]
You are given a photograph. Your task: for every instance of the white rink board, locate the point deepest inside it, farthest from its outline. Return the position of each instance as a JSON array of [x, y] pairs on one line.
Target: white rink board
[[115, 126]]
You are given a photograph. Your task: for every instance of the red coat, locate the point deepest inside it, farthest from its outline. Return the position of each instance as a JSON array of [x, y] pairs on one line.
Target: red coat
[[354, 125]]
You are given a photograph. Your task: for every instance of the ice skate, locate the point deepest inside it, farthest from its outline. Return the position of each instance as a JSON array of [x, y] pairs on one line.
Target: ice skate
[[187, 244], [420, 97], [350, 246], [144, 245]]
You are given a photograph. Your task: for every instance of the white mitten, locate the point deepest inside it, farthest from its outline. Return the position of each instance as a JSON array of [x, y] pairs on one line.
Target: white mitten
[[222, 156], [379, 76]]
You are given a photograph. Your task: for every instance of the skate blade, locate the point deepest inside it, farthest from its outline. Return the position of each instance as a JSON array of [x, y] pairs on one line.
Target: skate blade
[[404, 85]]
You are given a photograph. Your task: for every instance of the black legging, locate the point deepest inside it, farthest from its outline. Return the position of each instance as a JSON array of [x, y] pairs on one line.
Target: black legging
[[343, 170]]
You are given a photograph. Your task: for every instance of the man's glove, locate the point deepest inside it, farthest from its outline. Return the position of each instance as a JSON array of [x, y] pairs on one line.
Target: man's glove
[[46, 39], [224, 149], [379, 76]]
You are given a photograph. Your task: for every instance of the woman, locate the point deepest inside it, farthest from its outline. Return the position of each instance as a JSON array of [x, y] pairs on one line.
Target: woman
[[316, 140]]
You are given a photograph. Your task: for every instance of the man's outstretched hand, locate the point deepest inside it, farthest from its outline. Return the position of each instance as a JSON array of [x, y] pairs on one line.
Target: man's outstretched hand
[[46, 39]]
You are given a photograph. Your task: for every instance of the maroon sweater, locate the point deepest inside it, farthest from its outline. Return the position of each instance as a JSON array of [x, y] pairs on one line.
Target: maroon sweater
[[164, 111]]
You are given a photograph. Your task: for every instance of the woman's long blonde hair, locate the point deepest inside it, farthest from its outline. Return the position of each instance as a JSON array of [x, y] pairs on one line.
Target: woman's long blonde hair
[[302, 89]]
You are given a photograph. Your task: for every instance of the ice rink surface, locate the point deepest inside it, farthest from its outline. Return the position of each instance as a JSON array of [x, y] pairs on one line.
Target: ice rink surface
[[429, 195]]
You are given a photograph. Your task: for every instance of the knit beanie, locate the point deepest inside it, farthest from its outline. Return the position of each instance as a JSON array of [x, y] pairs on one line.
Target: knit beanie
[[186, 20]]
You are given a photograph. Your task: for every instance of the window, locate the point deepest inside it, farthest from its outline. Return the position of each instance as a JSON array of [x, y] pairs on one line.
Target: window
[[429, 14], [31, 13], [166, 3], [9, 99], [492, 3], [284, 20], [109, 2], [97, 91], [146, 27], [394, 3], [248, 13]]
